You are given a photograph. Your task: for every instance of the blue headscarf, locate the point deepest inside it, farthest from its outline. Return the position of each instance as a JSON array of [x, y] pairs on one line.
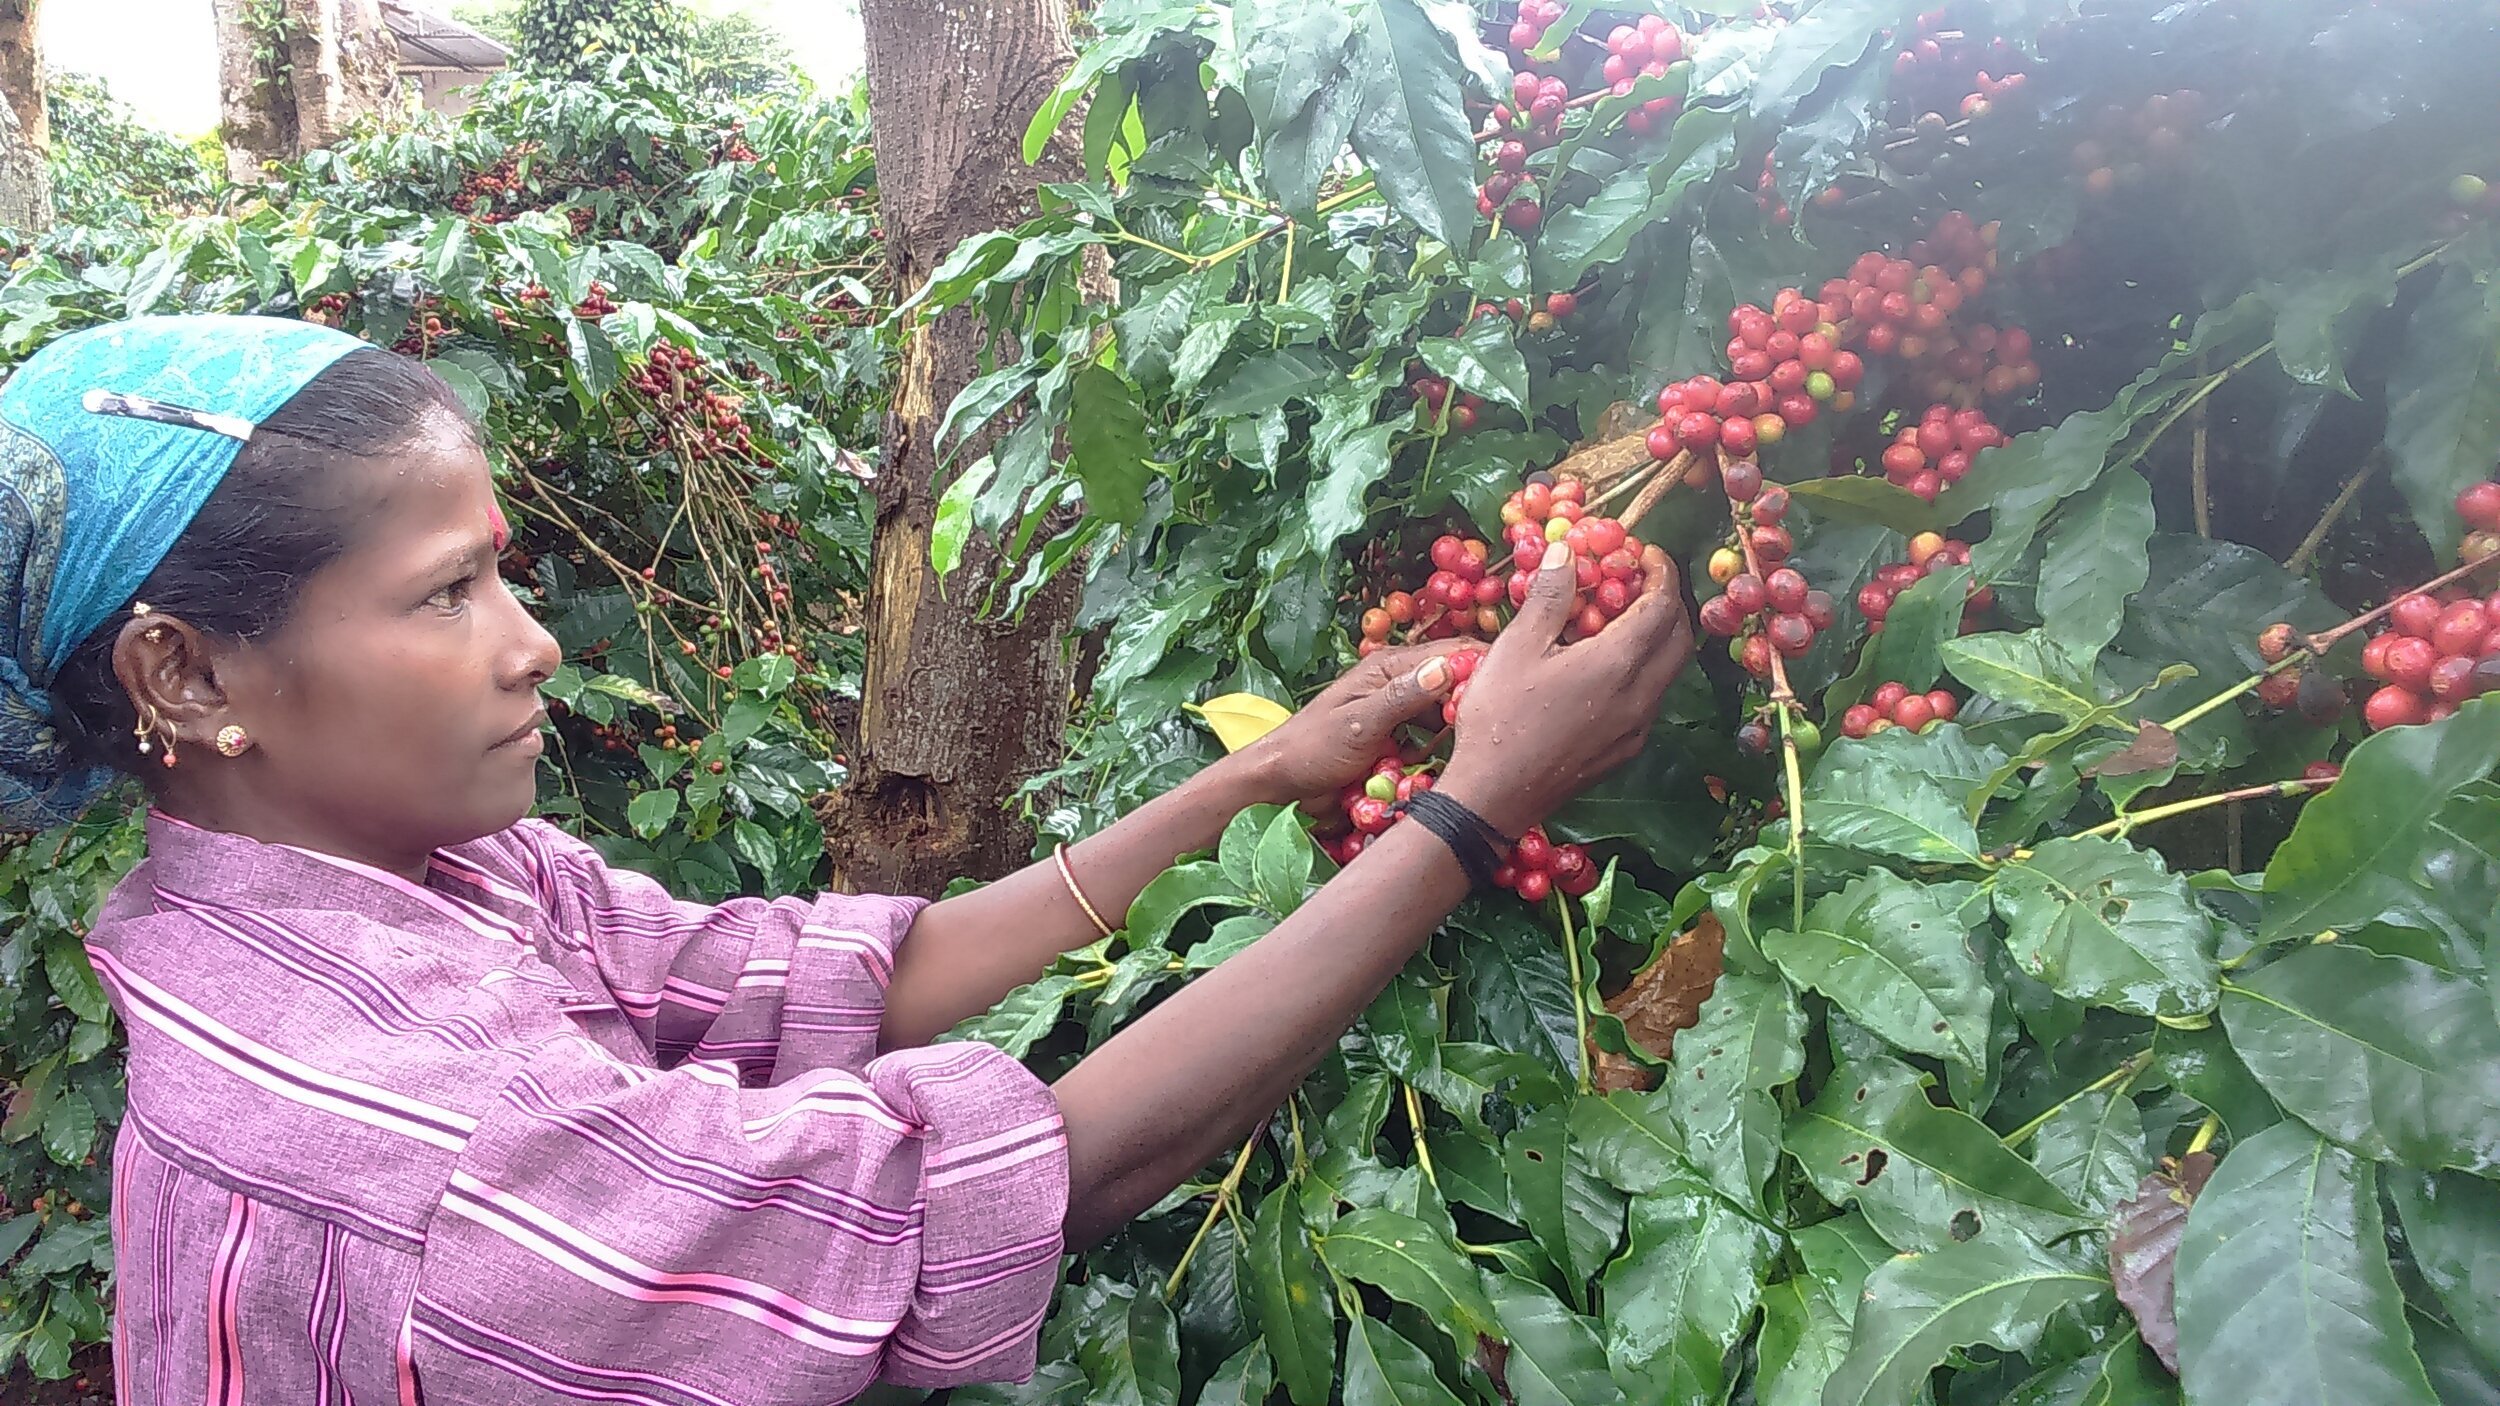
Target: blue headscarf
[[110, 441]]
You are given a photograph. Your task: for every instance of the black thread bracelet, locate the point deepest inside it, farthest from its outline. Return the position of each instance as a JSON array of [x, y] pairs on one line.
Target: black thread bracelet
[[1470, 836]]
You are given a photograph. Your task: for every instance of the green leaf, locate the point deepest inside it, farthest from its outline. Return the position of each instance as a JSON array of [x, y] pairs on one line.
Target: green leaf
[[1575, 1217], [2096, 559], [1174, 892], [1129, 1348], [2126, 1373], [1411, 131], [651, 811], [2027, 671], [1412, 1263], [2392, 1058], [1806, 1320], [2284, 1294], [2318, 314], [1383, 1369], [1896, 956], [1555, 1356], [1865, 798], [1482, 358], [1873, 1138], [1750, 1041], [2021, 481], [1107, 445], [1834, 34], [1351, 461], [2443, 406], [2452, 1224], [2206, 603], [1267, 381], [2093, 1150], [69, 1129], [1289, 1295], [1998, 1288], [2350, 859], [2201, 1064], [73, 978], [1683, 1292], [1022, 1017], [1859, 498], [1630, 1139], [1519, 987], [1247, 1378], [1280, 870], [2103, 922]]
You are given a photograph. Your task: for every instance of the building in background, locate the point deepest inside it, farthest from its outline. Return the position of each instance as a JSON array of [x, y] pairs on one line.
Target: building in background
[[441, 59]]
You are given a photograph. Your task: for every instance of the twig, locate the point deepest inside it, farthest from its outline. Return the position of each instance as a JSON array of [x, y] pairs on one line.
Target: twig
[[1656, 489], [1579, 994], [2126, 1071], [2199, 486], [1223, 1204], [2204, 1134], [1415, 1124], [2301, 556], [2128, 822]]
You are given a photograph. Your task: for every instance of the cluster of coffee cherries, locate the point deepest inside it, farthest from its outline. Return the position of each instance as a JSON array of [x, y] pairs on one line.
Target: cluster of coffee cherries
[[1643, 50], [595, 304], [1766, 193], [1776, 611], [482, 190], [330, 309], [1933, 452], [1605, 556], [1908, 306], [1784, 365], [1930, 552], [1530, 122], [673, 381], [2437, 652], [1538, 867], [426, 328], [1535, 868], [1893, 705], [1462, 596], [2124, 144], [1431, 392], [1940, 67], [2479, 507]]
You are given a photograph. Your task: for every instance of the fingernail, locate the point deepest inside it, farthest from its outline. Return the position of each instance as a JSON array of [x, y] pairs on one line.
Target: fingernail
[[1433, 676], [1557, 555]]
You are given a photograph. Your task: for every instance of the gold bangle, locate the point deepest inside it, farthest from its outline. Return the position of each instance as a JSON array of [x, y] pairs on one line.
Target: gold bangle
[[1061, 854]]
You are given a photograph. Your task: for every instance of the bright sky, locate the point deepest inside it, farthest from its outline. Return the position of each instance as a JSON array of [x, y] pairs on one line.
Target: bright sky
[[160, 56]]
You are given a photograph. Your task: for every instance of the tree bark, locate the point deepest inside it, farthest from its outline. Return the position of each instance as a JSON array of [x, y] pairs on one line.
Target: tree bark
[[955, 711], [21, 70], [330, 64]]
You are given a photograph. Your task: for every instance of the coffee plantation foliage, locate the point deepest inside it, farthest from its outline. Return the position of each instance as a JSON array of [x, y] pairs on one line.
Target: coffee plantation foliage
[[2111, 1018], [665, 314]]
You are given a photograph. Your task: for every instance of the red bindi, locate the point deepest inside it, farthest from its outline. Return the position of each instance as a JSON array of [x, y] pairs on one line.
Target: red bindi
[[496, 523]]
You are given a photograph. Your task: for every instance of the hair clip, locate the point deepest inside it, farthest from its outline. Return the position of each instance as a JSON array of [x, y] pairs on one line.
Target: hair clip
[[133, 407]]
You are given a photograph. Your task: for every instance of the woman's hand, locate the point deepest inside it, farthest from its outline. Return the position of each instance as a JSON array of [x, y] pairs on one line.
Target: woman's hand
[[1542, 721], [1336, 738]]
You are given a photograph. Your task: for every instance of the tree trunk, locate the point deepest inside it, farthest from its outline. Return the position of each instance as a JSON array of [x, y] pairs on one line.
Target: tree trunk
[[21, 70], [955, 711], [328, 64]]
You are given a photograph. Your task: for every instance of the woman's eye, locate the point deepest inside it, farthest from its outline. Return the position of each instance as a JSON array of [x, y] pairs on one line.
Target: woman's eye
[[453, 596]]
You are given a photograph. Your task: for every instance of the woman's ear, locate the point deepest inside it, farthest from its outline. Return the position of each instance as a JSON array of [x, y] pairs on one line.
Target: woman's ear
[[163, 664]]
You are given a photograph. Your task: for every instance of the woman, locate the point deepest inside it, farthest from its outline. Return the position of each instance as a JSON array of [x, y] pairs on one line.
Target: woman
[[428, 1102]]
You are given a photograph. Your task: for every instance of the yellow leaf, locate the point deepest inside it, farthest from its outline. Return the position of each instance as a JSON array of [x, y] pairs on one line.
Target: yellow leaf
[[1240, 719]]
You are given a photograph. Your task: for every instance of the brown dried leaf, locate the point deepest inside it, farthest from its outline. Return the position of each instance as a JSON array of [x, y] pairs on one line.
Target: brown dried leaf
[[1607, 458], [2144, 1247], [2154, 748], [1667, 995]]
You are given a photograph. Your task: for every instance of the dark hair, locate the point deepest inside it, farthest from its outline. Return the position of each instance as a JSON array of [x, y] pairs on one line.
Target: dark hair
[[279, 515]]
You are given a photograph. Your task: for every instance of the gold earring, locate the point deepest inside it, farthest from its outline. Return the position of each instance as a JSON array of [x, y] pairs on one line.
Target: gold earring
[[233, 741], [149, 725]]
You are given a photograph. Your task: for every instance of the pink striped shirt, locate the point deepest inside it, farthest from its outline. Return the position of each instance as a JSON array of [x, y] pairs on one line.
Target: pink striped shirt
[[533, 1131]]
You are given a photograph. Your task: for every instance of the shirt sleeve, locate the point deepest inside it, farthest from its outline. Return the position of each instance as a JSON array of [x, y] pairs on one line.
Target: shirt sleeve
[[624, 1234], [778, 986]]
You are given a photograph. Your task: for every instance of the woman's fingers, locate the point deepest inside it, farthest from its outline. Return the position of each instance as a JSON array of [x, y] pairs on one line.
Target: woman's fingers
[[1548, 608]]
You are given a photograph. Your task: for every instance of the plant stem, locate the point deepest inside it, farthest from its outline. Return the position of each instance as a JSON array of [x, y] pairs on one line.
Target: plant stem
[[1415, 1124], [2298, 561], [1579, 996], [1344, 197], [2320, 644], [1224, 1191], [2125, 823], [2124, 1073], [1165, 250], [2199, 486], [2290, 661], [2204, 1134]]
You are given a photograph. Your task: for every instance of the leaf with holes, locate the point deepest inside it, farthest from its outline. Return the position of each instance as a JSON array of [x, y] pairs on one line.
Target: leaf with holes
[[2103, 923], [1751, 1040], [1923, 1174]]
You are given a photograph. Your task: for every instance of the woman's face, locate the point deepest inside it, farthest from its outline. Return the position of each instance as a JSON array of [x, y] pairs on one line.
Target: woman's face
[[396, 711]]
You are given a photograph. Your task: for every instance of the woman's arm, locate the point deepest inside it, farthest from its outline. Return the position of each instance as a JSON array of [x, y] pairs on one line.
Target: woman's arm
[[1174, 1090], [962, 955]]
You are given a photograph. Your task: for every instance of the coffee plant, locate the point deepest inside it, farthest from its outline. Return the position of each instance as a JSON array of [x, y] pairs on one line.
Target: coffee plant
[[578, 39], [2046, 957], [665, 316]]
